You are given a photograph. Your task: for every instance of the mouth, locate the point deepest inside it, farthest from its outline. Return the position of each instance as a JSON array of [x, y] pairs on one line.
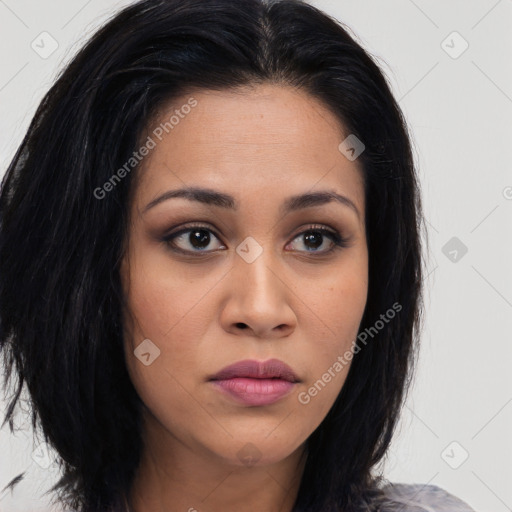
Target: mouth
[[254, 383]]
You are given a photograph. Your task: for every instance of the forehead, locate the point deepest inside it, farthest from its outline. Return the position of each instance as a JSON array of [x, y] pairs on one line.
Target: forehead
[[266, 115], [263, 136]]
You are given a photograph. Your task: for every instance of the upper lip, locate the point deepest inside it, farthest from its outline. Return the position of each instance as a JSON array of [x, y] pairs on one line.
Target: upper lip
[[270, 369]]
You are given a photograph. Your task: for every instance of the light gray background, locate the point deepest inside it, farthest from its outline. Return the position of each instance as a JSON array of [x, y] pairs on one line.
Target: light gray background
[[459, 111]]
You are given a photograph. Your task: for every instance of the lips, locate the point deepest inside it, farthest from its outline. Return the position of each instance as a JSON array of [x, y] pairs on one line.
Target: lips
[[271, 369], [254, 383]]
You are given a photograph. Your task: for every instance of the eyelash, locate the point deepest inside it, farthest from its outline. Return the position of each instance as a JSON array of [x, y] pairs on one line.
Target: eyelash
[[339, 241]]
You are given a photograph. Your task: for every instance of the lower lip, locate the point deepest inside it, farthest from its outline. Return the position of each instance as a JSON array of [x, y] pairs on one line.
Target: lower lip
[[255, 391]]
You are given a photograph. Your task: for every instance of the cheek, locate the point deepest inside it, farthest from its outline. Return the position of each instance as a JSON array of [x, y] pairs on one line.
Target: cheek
[[159, 302], [339, 305], [338, 308], [174, 332], [166, 383], [162, 295]]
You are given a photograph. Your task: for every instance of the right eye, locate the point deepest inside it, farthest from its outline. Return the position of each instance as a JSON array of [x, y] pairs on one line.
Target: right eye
[[193, 239]]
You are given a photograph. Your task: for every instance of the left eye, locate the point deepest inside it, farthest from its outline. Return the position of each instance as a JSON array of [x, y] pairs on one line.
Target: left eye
[[199, 238], [314, 238]]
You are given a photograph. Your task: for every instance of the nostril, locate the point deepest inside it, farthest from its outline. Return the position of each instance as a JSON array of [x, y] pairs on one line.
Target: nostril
[[241, 325]]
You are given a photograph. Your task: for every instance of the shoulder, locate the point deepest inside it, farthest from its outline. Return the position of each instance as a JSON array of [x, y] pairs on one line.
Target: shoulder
[[420, 498]]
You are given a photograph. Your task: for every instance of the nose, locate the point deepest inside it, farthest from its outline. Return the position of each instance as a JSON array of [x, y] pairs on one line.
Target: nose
[[259, 298]]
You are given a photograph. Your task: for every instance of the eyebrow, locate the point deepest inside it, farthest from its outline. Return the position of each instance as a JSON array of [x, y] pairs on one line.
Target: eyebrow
[[214, 198]]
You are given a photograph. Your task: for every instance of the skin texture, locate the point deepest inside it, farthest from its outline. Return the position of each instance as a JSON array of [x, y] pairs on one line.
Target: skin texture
[[204, 312]]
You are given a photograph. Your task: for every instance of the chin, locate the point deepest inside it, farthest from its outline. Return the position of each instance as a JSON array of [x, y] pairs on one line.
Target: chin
[[256, 450]]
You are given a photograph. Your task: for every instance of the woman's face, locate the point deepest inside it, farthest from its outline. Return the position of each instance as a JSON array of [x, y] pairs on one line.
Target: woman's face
[[253, 278]]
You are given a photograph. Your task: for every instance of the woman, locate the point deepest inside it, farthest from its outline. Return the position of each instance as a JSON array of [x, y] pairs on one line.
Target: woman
[[211, 265]]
